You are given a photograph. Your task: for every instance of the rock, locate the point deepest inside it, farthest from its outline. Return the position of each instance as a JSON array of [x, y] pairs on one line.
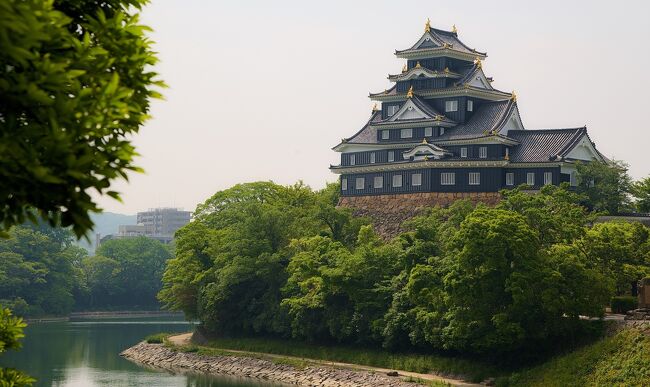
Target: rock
[[489, 382], [392, 373]]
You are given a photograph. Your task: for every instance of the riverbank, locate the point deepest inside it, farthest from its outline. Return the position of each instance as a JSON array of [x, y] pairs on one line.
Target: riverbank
[[93, 315], [275, 368]]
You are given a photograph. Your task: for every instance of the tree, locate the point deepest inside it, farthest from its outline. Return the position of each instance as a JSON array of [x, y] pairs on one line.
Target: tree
[[11, 331], [605, 186], [641, 191], [126, 273], [75, 85]]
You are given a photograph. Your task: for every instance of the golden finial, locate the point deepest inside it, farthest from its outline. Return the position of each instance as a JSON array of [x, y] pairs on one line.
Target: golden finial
[[409, 94], [417, 64], [427, 26], [478, 62], [374, 107], [424, 141], [404, 68], [447, 69], [426, 158], [513, 97], [454, 30]]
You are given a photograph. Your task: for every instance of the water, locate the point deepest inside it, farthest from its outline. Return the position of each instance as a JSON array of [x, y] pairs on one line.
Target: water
[[85, 354]]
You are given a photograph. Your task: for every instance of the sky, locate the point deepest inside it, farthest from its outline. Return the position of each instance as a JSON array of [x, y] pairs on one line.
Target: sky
[[262, 90]]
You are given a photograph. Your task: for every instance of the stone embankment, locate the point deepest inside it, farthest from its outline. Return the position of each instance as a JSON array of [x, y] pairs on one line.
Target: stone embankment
[[160, 356]]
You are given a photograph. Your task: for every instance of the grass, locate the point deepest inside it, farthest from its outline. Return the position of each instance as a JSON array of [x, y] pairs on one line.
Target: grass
[[619, 360], [158, 338], [472, 370]]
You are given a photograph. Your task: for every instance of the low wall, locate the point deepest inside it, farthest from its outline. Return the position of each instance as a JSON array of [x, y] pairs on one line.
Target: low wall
[[388, 212], [159, 356]]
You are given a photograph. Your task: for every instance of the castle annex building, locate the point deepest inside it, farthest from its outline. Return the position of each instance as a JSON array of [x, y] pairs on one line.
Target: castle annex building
[[443, 129]]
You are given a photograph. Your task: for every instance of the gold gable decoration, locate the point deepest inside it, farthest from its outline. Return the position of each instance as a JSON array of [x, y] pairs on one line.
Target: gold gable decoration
[[409, 94]]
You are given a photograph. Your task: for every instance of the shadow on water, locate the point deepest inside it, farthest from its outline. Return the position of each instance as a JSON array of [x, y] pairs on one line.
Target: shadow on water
[[86, 353]]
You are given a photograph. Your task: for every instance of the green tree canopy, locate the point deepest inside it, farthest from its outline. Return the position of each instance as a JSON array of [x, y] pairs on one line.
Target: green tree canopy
[[605, 186], [75, 83], [641, 191]]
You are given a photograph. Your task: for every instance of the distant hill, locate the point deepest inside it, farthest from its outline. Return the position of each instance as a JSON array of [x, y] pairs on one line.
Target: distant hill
[[105, 223]]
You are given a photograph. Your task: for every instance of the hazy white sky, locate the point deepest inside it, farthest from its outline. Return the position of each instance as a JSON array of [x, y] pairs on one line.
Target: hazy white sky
[[261, 90]]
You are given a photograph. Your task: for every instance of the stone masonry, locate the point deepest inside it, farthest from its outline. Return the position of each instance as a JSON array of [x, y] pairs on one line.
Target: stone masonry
[[389, 212]]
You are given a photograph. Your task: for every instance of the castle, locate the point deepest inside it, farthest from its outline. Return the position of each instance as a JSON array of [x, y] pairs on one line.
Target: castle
[[443, 132]]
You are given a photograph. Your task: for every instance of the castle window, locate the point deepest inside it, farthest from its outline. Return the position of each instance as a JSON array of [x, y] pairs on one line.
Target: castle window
[[530, 178], [463, 152], [378, 182], [510, 178], [448, 178], [372, 157], [428, 132], [470, 105], [390, 110], [573, 179], [352, 159], [474, 178], [442, 131], [344, 184], [397, 180], [360, 183], [416, 179], [391, 156], [385, 134], [548, 178], [451, 106], [406, 133], [482, 152]]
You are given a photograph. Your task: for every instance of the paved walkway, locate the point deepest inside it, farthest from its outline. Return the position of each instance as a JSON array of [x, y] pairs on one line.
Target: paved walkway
[[185, 338]]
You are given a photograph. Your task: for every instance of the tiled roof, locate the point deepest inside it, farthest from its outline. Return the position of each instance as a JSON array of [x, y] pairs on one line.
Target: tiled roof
[[543, 145], [442, 37], [489, 116]]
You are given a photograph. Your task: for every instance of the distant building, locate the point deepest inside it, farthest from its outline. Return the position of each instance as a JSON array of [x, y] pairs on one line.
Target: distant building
[[156, 223]]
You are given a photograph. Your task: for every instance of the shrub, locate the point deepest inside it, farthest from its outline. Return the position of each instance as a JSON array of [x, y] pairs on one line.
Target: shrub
[[157, 338], [622, 304]]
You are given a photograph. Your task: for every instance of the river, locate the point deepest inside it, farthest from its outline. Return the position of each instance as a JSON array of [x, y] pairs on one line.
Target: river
[[86, 354]]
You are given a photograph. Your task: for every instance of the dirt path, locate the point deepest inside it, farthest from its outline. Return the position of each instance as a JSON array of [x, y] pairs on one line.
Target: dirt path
[[185, 339]]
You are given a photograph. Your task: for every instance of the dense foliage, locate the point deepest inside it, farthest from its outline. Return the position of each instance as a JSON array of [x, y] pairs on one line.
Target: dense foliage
[[641, 190], [11, 331], [271, 260], [605, 187], [75, 84], [124, 273]]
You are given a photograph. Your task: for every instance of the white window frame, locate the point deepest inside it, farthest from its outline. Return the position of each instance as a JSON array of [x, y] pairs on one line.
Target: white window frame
[[353, 159], [448, 178], [548, 178], [482, 152], [397, 181], [360, 182], [442, 131], [428, 131], [378, 182], [406, 133], [385, 134], [474, 178], [530, 178], [510, 178], [463, 152], [391, 110], [451, 105], [416, 179], [391, 156], [470, 105], [372, 157], [344, 184]]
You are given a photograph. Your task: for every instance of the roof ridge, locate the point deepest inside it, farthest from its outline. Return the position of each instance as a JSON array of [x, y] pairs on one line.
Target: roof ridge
[[547, 129]]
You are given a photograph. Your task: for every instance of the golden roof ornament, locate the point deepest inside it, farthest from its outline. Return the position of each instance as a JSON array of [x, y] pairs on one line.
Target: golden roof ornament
[[513, 97], [427, 26], [409, 94], [424, 141], [454, 30], [375, 108], [447, 69], [478, 62], [404, 68], [417, 64]]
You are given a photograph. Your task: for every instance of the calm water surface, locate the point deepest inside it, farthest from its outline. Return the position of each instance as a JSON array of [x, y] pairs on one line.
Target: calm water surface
[[85, 353]]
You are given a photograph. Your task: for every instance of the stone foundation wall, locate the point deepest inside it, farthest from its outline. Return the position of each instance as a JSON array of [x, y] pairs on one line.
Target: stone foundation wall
[[388, 212]]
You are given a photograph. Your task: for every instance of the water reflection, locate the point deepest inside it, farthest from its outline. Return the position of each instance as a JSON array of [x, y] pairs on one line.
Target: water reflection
[[85, 353]]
